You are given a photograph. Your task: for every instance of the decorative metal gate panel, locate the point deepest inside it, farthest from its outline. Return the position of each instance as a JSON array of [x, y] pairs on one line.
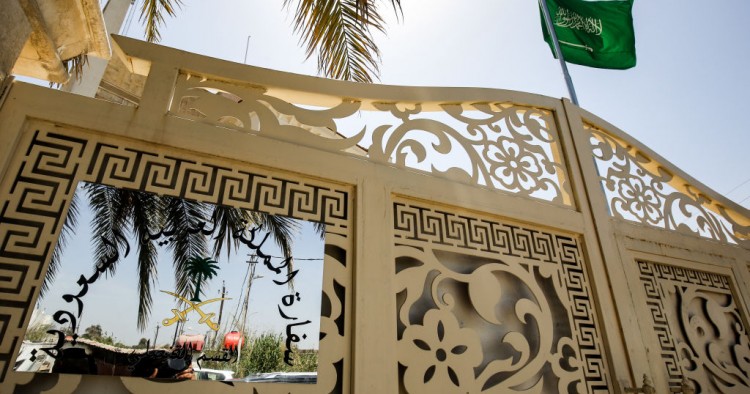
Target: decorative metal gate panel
[[54, 159], [475, 240], [486, 305], [702, 331]]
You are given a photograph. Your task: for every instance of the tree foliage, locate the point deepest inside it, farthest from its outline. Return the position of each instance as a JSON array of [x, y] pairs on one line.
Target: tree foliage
[[117, 211], [93, 332], [38, 333], [97, 334], [340, 32], [304, 360], [142, 344]]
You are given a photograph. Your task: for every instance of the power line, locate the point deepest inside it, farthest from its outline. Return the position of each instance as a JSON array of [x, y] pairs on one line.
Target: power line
[[737, 187], [237, 309], [128, 19], [294, 258]]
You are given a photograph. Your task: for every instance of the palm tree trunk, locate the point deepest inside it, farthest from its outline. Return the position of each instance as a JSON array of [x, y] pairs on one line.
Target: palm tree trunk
[[197, 288]]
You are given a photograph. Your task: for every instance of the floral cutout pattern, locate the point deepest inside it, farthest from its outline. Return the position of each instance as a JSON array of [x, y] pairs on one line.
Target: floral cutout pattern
[[503, 146], [642, 190], [442, 351]]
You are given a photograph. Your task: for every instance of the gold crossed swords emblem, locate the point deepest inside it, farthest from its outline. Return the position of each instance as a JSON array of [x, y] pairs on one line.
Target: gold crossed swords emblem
[[179, 315]]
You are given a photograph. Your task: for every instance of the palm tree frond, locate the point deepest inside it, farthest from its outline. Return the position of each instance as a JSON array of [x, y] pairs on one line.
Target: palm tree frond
[[74, 67], [147, 262], [182, 216], [283, 229], [226, 221], [146, 220], [152, 12], [69, 226], [320, 228], [364, 8], [112, 210], [341, 33]]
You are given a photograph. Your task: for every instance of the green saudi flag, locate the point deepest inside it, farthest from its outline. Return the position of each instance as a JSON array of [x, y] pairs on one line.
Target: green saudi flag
[[593, 33]]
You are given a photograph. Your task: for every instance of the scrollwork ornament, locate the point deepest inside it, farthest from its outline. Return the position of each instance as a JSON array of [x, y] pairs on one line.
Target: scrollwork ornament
[[488, 328], [502, 146], [640, 189], [715, 351], [702, 333]]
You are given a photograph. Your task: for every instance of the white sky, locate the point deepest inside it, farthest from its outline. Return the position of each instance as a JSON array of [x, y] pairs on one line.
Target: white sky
[[685, 99]]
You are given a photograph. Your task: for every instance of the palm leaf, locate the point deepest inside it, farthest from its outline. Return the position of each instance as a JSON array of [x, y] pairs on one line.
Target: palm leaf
[[210, 271], [119, 210], [146, 217], [340, 31], [152, 12], [226, 221], [69, 225], [320, 228], [181, 216], [282, 228], [112, 208], [364, 8]]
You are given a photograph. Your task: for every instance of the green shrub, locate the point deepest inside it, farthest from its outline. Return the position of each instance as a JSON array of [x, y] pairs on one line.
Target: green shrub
[[266, 354], [303, 361]]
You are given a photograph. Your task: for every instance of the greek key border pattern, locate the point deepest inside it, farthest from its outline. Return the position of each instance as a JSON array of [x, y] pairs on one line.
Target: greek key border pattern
[[684, 275], [433, 226], [215, 184], [651, 274], [33, 205]]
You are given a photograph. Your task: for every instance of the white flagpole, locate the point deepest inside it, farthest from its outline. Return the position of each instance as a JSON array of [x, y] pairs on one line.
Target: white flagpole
[[558, 52]]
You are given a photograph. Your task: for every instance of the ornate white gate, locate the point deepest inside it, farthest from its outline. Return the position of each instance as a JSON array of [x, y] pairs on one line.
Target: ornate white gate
[[476, 240]]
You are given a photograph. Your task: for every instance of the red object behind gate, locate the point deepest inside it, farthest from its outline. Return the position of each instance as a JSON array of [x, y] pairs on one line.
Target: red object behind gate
[[233, 340]]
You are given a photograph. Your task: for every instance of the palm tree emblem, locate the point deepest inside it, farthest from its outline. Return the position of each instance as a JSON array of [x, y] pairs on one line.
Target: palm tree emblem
[[201, 269]]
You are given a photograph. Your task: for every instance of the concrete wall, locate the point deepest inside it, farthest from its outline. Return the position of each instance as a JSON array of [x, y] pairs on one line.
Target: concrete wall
[[14, 31]]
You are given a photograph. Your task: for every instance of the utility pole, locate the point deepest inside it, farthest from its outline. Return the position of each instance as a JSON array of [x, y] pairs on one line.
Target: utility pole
[[156, 335], [221, 309], [253, 261], [176, 327]]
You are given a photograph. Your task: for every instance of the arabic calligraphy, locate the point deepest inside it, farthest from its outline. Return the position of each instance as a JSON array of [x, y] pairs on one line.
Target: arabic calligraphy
[[160, 363], [287, 300], [572, 20], [169, 234], [291, 337], [254, 239], [228, 355], [66, 317]]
